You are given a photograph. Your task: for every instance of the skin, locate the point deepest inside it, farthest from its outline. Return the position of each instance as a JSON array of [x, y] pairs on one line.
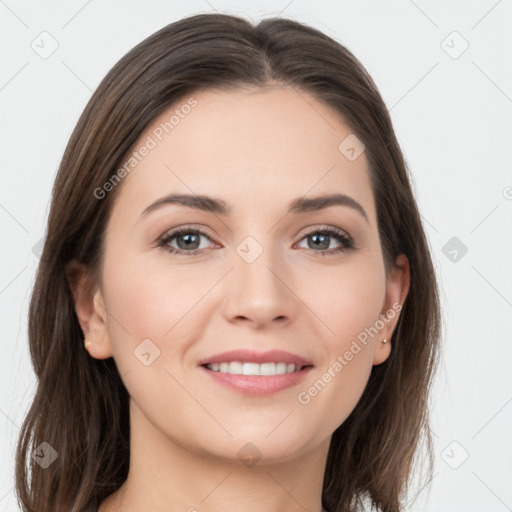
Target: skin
[[257, 149]]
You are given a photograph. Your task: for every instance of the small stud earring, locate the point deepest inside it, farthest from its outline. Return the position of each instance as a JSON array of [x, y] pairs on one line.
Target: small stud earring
[[384, 341], [87, 345]]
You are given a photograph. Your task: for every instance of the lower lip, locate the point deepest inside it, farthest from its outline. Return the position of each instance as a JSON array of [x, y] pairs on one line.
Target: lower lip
[[258, 384]]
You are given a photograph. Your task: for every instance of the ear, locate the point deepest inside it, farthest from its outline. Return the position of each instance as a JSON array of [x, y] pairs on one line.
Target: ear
[[90, 310], [397, 288]]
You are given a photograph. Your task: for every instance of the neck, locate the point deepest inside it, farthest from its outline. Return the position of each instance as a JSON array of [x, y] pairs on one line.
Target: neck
[[165, 475]]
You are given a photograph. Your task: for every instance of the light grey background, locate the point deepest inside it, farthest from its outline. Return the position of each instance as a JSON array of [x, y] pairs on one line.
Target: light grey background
[[452, 112]]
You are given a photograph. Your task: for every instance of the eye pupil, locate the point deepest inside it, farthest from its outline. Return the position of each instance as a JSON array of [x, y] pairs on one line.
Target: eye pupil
[[324, 238], [192, 238]]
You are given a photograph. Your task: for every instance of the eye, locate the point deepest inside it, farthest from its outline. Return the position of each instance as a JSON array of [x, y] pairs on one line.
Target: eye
[[321, 238], [188, 240]]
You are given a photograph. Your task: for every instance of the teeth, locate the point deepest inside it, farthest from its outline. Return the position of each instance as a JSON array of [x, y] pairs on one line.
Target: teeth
[[280, 368], [238, 368]]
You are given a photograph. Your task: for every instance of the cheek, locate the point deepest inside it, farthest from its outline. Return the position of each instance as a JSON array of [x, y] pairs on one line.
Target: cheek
[[335, 392], [348, 299], [151, 299], [349, 302], [354, 313], [151, 308]]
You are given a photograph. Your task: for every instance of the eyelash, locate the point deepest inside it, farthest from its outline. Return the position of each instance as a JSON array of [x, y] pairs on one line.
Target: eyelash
[[346, 240]]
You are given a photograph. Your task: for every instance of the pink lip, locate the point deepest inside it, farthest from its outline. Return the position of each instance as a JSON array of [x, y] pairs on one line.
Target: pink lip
[[252, 356], [257, 384]]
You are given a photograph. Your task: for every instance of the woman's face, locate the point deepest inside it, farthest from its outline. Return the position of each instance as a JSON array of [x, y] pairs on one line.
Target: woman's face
[[255, 272]]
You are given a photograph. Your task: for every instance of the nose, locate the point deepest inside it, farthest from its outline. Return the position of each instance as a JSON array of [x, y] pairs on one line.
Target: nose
[[260, 293]]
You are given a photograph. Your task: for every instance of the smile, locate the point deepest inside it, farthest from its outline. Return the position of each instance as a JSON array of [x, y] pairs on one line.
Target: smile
[[251, 372], [239, 368]]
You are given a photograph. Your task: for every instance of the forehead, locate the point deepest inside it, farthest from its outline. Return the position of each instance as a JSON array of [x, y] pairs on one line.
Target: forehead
[[250, 146]]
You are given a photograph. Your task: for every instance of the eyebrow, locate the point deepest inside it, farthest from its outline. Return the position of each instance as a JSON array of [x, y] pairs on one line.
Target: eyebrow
[[220, 207]]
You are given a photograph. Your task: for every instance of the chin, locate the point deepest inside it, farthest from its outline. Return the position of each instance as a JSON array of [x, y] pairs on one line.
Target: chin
[[252, 446]]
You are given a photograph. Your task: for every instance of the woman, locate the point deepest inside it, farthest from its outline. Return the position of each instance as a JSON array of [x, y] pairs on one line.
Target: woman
[[234, 239]]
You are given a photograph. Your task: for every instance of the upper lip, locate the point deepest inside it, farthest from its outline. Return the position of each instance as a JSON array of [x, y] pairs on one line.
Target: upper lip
[[253, 356]]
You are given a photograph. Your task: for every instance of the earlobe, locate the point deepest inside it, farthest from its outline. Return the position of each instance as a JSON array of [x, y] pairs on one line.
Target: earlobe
[[90, 311], [382, 351]]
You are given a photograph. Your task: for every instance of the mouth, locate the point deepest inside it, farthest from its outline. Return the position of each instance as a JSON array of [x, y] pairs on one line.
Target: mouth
[[256, 373], [267, 369]]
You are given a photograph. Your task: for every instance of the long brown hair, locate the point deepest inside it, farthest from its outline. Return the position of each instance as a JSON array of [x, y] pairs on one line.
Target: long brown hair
[[80, 407]]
